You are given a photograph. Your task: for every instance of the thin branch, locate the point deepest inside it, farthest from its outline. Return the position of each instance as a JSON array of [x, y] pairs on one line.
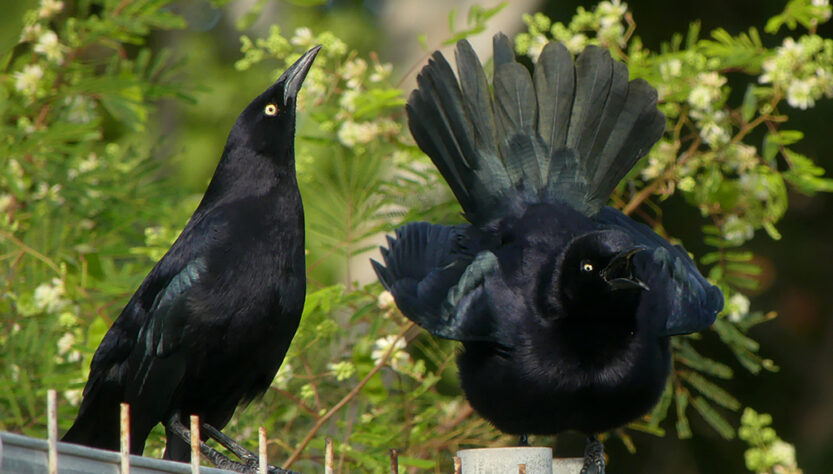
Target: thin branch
[[344, 401], [43, 258]]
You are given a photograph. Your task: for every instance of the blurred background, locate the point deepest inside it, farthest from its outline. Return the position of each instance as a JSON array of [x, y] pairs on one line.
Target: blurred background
[[797, 276]]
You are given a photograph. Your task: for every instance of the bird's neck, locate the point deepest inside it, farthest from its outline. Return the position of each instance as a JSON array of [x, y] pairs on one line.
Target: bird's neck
[[242, 172]]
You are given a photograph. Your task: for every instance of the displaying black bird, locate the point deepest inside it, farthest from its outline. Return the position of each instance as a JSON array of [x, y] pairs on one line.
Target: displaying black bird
[[209, 326], [564, 306]]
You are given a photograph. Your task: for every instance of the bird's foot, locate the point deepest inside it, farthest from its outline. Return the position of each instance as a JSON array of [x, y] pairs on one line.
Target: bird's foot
[[250, 464], [594, 457], [523, 440]]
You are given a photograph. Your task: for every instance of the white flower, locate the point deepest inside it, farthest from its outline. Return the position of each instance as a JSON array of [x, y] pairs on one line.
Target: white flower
[[738, 307], [6, 201], [352, 133], [281, 380], [381, 72], [820, 3], [398, 357], [707, 90], [659, 158], [66, 342], [742, 157], [576, 43], [342, 370], [770, 68], [348, 100], [736, 230], [615, 9], [15, 372], [49, 46], [49, 8], [49, 296], [31, 32], [714, 135], [754, 185], [700, 97], [784, 452], [88, 164], [353, 71], [791, 50], [671, 69], [536, 45], [800, 94], [26, 81], [385, 300], [303, 37], [73, 396]]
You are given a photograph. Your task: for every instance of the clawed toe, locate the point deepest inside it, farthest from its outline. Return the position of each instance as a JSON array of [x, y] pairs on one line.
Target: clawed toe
[[594, 457]]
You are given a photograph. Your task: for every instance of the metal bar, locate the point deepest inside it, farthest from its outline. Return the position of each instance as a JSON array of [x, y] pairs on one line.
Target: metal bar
[[263, 466], [52, 426], [125, 438], [329, 457], [195, 444]]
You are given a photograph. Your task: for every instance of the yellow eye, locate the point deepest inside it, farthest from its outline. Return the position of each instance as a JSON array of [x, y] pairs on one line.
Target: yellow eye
[[271, 110], [587, 267]]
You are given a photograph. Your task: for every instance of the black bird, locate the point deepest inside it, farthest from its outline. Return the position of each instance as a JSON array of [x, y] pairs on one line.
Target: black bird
[[564, 306], [209, 326]]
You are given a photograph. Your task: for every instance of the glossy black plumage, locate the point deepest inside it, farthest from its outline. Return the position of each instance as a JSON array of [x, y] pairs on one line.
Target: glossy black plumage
[[564, 306], [209, 326]]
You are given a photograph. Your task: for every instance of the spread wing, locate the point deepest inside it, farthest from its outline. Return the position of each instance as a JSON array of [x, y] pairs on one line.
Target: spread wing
[[689, 300], [439, 276]]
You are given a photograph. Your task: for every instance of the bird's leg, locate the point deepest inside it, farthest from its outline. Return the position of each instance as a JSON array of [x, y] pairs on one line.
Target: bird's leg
[[217, 458], [594, 457], [244, 454], [524, 440], [251, 459]]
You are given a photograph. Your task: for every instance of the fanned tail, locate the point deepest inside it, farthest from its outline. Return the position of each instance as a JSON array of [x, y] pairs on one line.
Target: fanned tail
[[570, 132]]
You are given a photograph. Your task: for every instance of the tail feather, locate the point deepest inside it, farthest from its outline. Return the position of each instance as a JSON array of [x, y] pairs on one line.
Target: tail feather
[[555, 84], [569, 133], [504, 53]]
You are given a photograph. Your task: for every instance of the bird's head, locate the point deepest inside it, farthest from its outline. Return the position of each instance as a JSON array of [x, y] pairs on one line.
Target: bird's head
[[267, 125], [596, 273]]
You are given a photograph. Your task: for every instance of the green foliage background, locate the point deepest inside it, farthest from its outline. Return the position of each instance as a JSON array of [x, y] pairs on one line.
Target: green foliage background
[[111, 114]]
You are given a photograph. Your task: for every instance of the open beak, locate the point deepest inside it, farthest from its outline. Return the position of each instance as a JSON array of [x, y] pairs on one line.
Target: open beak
[[618, 273], [294, 76]]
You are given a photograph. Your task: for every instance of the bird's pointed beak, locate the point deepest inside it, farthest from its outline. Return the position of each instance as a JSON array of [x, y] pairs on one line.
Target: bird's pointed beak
[[618, 273], [295, 75]]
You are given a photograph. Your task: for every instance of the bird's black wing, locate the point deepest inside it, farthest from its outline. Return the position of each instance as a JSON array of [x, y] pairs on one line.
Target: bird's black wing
[[438, 276], [677, 289], [145, 328]]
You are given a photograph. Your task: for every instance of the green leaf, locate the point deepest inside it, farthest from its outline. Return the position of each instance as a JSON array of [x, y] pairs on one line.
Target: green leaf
[[713, 418], [417, 463], [683, 429], [750, 103], [710, 390]]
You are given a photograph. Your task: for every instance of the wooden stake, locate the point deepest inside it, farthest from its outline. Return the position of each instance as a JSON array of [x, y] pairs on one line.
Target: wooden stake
[[52, 426], [195, 444], [458, 465], [329, 457], [394, 461], [261, 446], [521, 468], [124, 439]]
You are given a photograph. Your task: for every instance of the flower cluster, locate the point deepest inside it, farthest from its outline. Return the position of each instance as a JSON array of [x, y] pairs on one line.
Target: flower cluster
[[801, 69], [606, 21], [767, 452]]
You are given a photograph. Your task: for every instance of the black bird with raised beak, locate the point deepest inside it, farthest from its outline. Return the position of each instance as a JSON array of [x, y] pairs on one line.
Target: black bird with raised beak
[[564, 306], [210, 325]]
